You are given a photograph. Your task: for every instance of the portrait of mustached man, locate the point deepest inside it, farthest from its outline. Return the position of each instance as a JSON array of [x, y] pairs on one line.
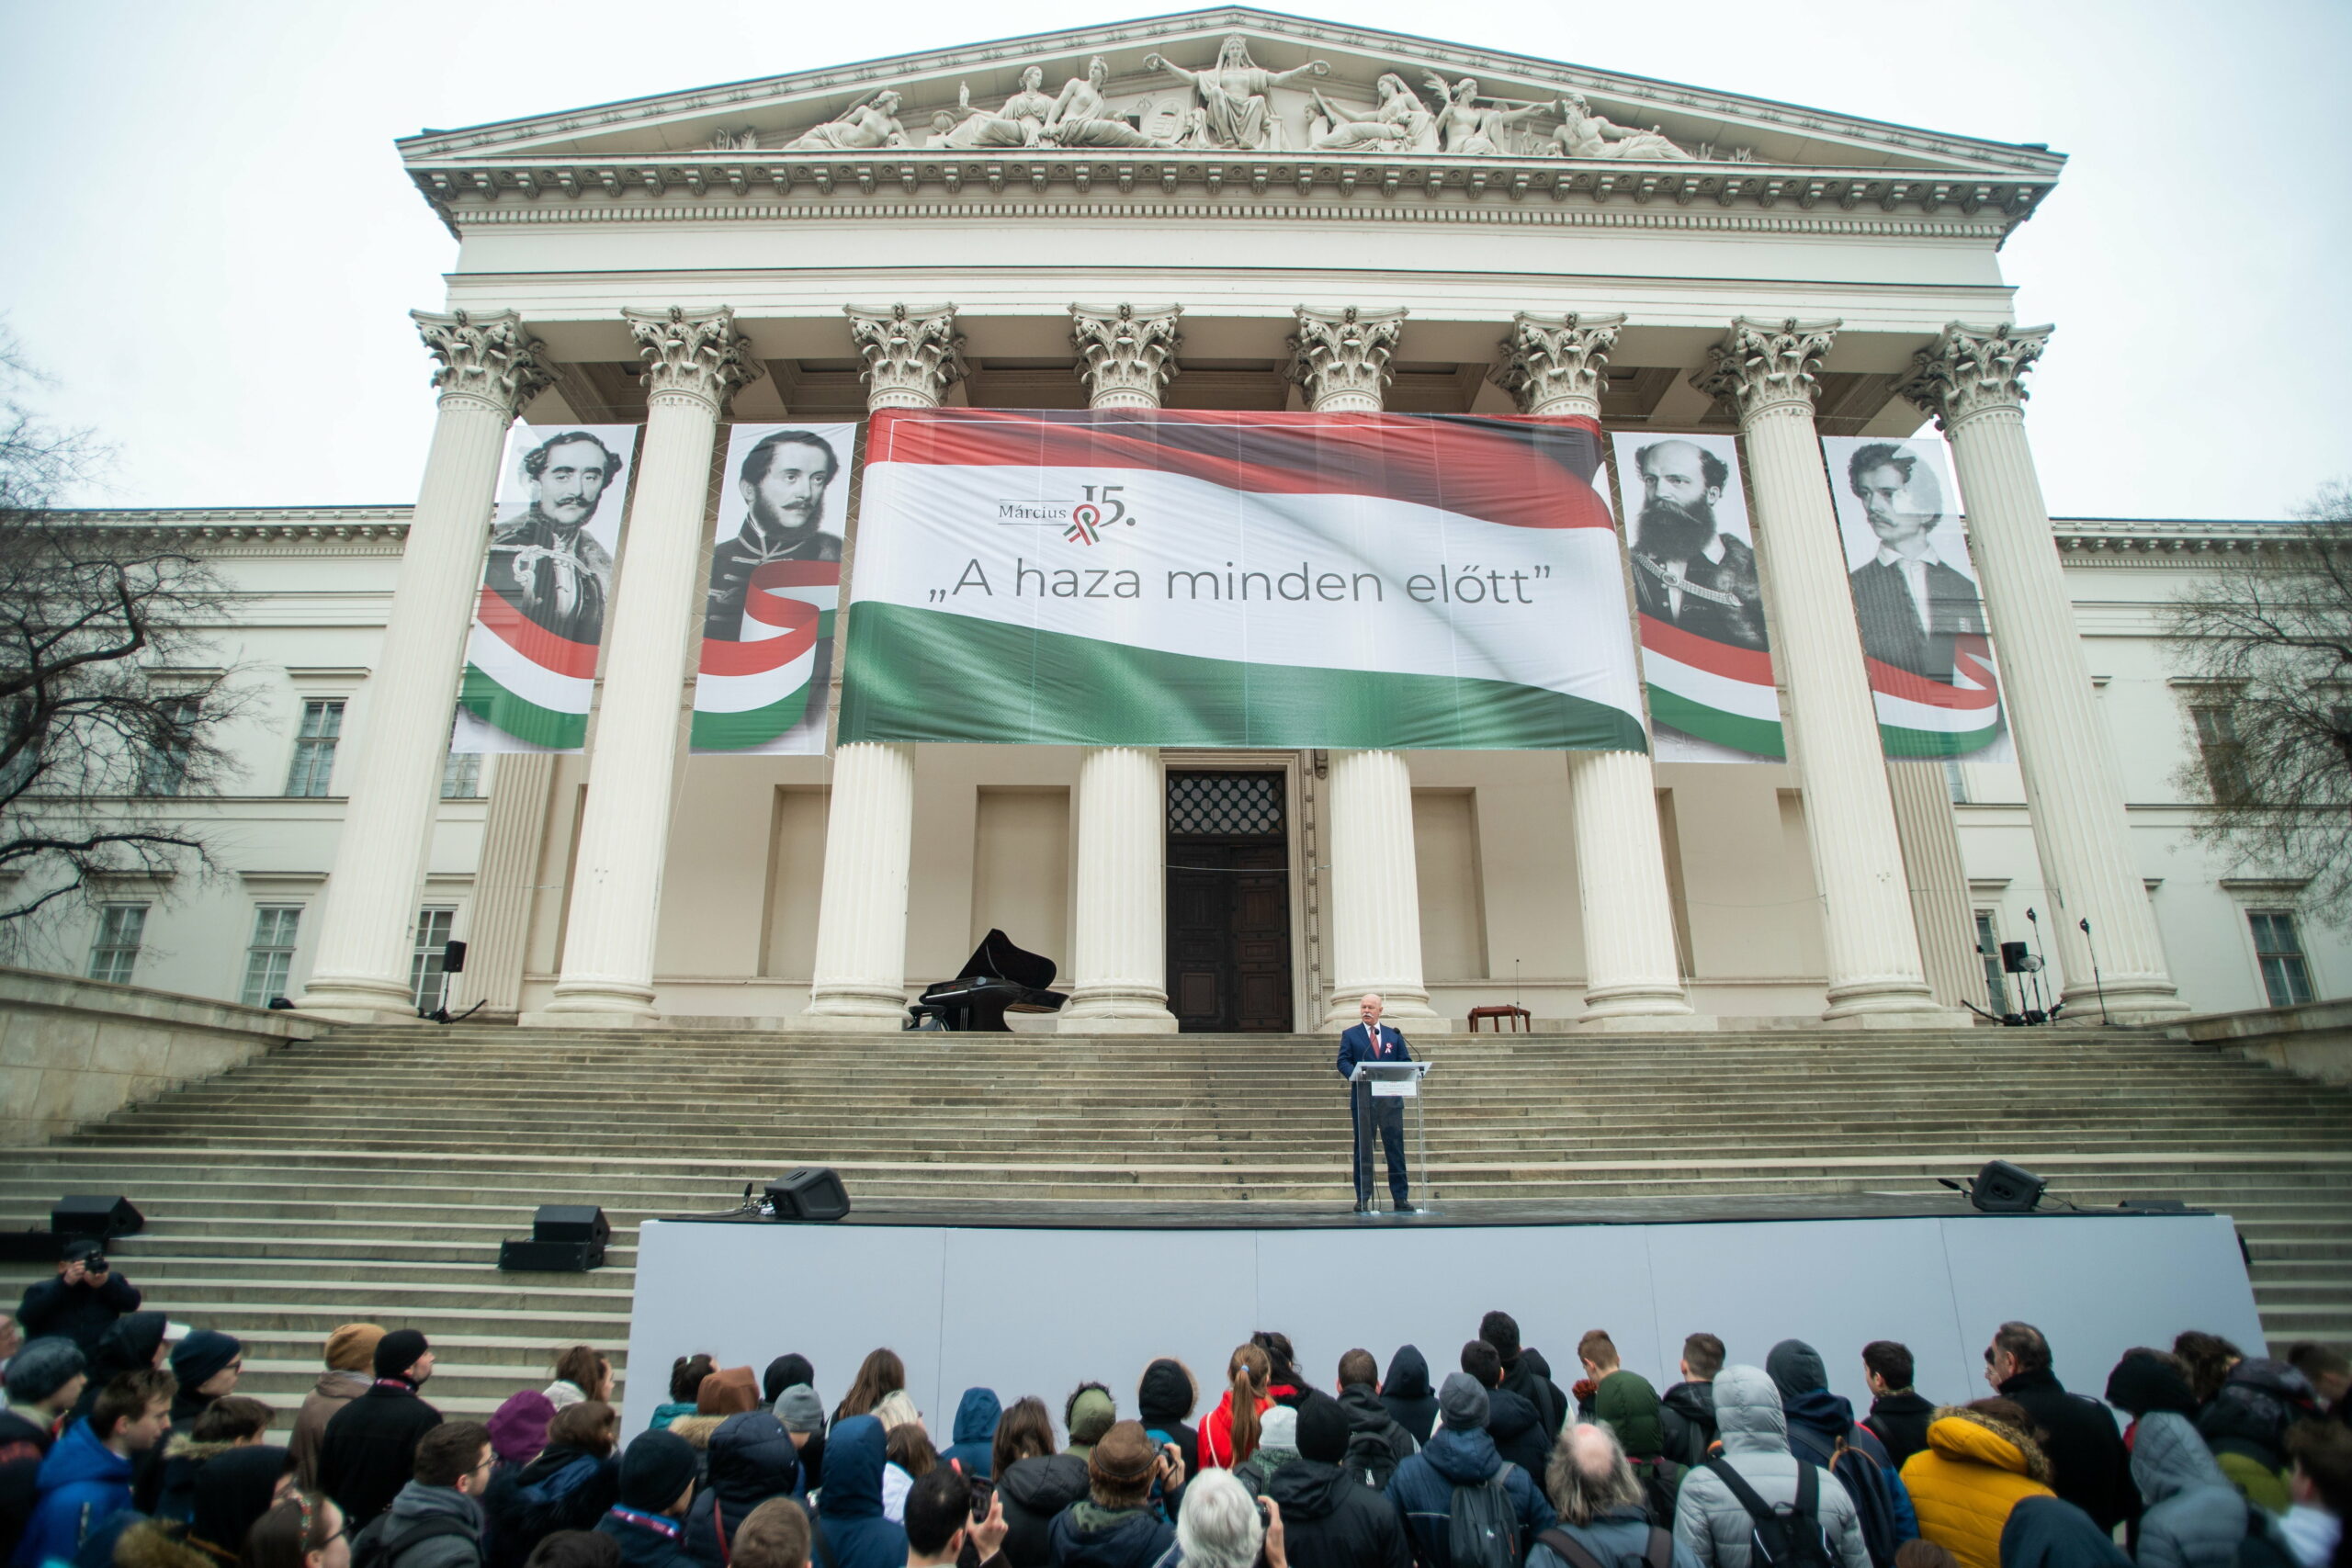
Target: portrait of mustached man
[[1687, 571], [783, 479], [544, 562]]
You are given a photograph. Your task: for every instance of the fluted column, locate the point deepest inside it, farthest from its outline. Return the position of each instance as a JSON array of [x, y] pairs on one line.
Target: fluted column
[[1118, 938], [1972, 381], [1939, 903], [1766, 370], [1340, 359], [513, 825], [489, 367], [693, 362], [913, 356], [1554, 367]]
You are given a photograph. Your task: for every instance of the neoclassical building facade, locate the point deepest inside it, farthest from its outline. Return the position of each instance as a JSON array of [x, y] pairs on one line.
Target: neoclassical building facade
[[1251, 212]]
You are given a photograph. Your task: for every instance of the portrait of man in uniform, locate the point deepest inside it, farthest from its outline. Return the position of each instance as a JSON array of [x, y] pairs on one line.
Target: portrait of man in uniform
[[544, 562], [783, 480], [1688, 571], [1911, 605]]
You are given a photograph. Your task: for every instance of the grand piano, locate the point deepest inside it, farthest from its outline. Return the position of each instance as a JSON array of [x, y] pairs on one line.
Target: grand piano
[[997, 979]]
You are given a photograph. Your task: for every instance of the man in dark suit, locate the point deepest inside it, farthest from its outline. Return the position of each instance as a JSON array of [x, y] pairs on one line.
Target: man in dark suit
[[1911, 606], [1372, 1041]]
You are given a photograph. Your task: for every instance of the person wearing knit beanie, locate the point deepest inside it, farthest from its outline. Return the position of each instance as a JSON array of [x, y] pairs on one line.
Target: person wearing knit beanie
[[1323, 1430], [352, 1348], [405, 1354], [1087, 1416], [518, 1429], [39, 1374], [786, 1371], [730, 1391], [1461, 1404], [658, 1474], [801, 1410], [2145, 1380], [351, 1366], [204, 1358]]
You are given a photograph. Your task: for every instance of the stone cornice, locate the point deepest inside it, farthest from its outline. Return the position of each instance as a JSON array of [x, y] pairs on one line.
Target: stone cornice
[[261, 530], [2132, 542]]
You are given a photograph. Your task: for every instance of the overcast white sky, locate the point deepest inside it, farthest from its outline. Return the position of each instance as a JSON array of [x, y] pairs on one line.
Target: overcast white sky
[[208, 241]]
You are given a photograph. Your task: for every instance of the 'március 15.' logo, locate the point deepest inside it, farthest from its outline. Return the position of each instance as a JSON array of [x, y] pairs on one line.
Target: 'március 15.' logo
[[1081, 522]]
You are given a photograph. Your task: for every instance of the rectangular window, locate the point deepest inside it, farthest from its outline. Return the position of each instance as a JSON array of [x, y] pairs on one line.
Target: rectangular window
[[1988, 943], [2221, 753], [270, 960], [115, 954], [2279, 949], [313, 768], [461, 776], [424, 976], [163, 769]]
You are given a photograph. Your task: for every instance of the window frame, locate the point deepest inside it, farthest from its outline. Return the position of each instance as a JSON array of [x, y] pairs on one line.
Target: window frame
[[260, 956], [303, 767], [103, 949], [2297, 955]]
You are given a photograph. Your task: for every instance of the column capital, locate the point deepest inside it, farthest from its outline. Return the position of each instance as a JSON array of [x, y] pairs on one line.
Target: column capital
[[693, 354], [1556, 365], [1340, 357], [912, 353], [489, 357], [1127, 353], [1972, 369], [1761, 366]]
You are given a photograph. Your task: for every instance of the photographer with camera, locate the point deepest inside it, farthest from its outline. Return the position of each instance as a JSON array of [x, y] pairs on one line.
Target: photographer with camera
[[83, 1302]]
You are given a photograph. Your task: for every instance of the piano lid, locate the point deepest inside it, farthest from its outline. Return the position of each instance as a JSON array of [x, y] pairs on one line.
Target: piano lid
[[997, 958]]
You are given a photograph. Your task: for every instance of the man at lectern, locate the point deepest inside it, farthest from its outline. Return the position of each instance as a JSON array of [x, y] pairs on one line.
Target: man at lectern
[[1372, 1041]]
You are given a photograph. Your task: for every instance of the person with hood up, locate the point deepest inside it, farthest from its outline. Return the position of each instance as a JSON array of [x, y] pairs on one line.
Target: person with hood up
[[1114, 1524], [1231, 1431], [1516, 1425], [1032, 1482], [205, 1366], [2087, 1462], [1600, 1504], [370, 1449], [1462, 1453], [1406, 1392], [568, 1486], [1164, 1399], [2190, 1516], [1898, 1416], [236, 1489], [2049, 1532], [1277, 1446], [1087, 1413], [685, 1384], [1522, 1375], [657, 1485], [849, 1511], [1823, 1431], [1330, 1518], [1378, 1441], [976, 1414], [751, 1460], [1981, 1461], [1709, 1517], [351, 1359], [44, 1379], [1687, 1411], [135, 1344], [2245, 1425], [85, 1480]]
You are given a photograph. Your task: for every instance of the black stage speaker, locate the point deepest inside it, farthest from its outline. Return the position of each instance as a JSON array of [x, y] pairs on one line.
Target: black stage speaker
[[2013, 958], [2005, 1189], [573, 1223], [548, 1256], [31, 1247], [812, 1192], [453, 958], [103, 1216]]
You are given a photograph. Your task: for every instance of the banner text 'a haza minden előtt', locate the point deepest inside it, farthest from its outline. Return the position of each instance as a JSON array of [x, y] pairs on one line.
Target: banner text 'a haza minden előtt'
[[1237, 578]]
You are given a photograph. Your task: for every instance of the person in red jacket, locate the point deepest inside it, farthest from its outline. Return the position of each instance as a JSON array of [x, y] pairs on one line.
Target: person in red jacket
[[1230, 1433]]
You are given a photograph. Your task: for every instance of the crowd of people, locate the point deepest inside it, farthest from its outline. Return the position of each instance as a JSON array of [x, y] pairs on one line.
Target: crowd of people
[[125, 1445]]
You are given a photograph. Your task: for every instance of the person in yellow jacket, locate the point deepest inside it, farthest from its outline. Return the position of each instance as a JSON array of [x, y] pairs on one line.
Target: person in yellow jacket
[[1981, 1460]]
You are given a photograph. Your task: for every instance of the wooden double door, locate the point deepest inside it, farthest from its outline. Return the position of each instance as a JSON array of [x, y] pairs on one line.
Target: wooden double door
[[1228, 903]]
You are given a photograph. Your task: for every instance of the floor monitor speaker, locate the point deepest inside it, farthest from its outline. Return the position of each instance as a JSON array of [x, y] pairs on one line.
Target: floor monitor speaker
[[2005, 1189], [102, 1215], [548, 1256], [812, 1192], [572, 1222]]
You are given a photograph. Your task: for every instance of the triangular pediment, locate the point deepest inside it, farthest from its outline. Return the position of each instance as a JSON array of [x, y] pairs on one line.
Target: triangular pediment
[[973, 98]]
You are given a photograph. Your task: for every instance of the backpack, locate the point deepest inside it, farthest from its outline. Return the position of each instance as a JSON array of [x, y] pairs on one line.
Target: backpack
[[1481, 1525], [368, 1550], [1865, 1481], [1661, 1482], [1657, 1551], [1778, 1538]]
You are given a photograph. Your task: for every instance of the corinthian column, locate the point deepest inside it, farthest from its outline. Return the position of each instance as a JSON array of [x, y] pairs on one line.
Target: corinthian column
[[1972, 381], [490, 368], [1340, 359], [1553, 366], [1118, 939], [1766, 370], [693, 362], [859, 981]]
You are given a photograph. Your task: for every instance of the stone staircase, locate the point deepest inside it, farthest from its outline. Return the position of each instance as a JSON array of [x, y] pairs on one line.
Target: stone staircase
[[371, 1173]]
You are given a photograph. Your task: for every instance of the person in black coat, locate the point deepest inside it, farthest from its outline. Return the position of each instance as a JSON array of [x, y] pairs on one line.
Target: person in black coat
[[568, 1487], [1520, 1377], [1331, 1518], [1516, 1426], [1407, 1393], [1378, 1441], [657, 1486], [750, 1459], [82, 1302], [2093, 1469], [1687, 1411], [370, 1449], [1034, 1491], [1898, 1418], [1114, 1524], [1164, 1400]]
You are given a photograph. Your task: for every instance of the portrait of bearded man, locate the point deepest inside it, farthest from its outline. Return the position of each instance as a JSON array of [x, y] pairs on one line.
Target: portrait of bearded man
[[546, 563], [1687, 571], [783, 480]]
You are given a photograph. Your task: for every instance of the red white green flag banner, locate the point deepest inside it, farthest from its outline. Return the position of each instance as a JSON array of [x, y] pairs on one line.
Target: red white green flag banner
[[776, 575], [546, 588], [1237, 578], [1705, 658], [1916, 600]]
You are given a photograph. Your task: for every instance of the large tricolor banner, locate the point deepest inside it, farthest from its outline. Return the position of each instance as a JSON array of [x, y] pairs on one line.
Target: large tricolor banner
[[776, 576], [1237, 578], [1916, 600], [539, 618], [1704, 653]]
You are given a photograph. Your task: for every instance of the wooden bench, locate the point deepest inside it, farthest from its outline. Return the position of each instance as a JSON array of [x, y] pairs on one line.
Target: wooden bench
[[1520, 1022]]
